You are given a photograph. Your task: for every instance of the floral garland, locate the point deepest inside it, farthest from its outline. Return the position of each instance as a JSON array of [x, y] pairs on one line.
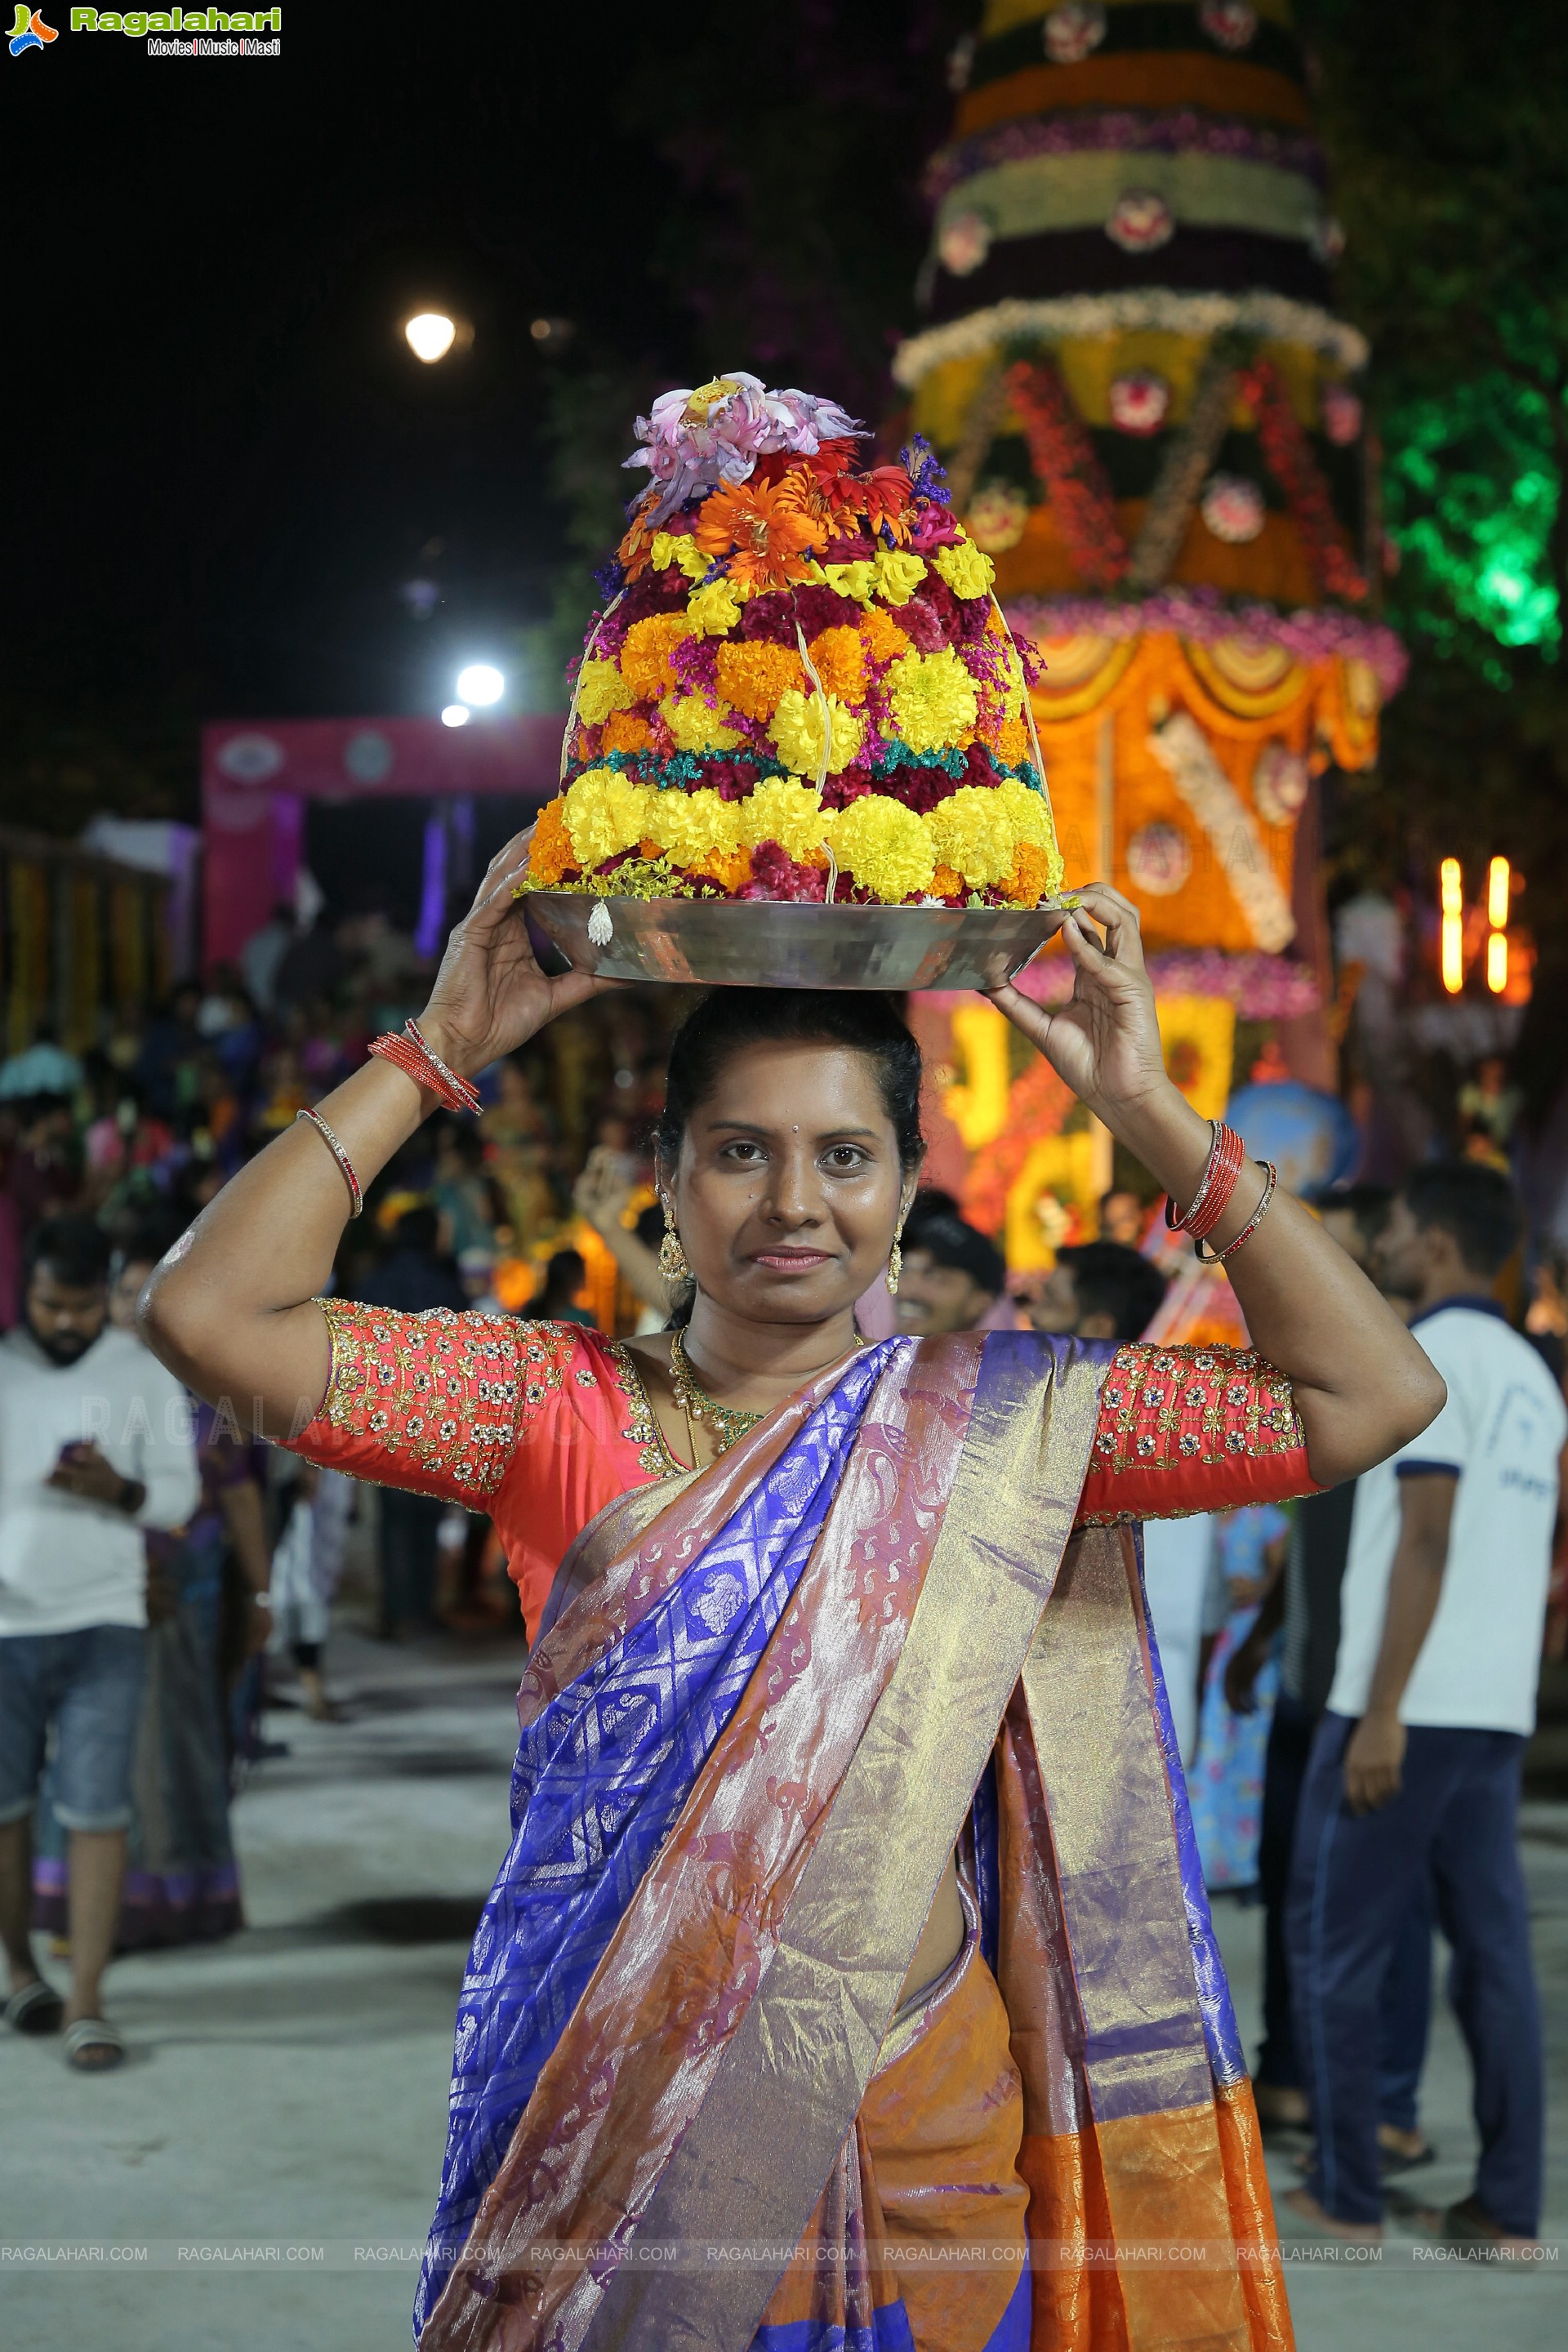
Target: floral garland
[[1063, 458], [801, 683], [1122, 131], [1065, 317], [1185, 753], [1310, 634], [1288, 456]]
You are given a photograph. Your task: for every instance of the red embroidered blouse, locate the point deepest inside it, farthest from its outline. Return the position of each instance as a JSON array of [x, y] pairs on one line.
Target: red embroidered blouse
[[542, 1425]]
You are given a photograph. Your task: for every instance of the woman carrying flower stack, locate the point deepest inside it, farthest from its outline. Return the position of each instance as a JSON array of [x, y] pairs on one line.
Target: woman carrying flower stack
[[849, 1980]]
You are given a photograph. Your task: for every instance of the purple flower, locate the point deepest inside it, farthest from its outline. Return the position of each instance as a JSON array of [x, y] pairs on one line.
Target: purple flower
[[695, 439], [921, 463]]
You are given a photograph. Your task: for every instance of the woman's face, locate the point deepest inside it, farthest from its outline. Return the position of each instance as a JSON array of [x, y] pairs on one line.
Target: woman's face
[[789, 1188]]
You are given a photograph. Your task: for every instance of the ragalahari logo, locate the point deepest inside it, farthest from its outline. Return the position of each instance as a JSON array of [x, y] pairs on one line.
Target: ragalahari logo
[[31, 32]]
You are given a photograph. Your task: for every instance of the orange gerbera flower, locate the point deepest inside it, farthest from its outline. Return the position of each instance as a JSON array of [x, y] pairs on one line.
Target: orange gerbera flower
[[763, 535], [889, 496], [635, 552]]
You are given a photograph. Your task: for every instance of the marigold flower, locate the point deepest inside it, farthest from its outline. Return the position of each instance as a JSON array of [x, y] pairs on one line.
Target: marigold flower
[[898, 576], [606, 813], [699, 726], [797, 729], [934, 699], [946, 884], [762, 537], [1011, 740], [885, 847], [973, 832], [754, 674], [1032, 876], [1035, 830], [691, 824], [601, 688], [966, 570], [549, 853], [839, 658], [730, 868], [715, 610], [884, 640], [790, 813], [622, 732], [645, 657]]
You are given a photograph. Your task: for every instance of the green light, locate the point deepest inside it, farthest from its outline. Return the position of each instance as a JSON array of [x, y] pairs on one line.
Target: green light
[[1472, 490]]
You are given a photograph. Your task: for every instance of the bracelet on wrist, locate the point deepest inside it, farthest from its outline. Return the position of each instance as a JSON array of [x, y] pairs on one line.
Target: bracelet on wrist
[[1218, 1182], [356, 1194], [1218, 1257], [410, 1053]]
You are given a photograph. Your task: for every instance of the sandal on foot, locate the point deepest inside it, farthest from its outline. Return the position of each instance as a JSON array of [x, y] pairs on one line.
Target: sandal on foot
[[93, 2046], [36, 2009], [1392, 2160]]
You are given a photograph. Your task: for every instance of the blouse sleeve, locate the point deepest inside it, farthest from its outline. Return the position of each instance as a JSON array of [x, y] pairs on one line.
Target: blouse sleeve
[[1192, 1429], [439, 1402]]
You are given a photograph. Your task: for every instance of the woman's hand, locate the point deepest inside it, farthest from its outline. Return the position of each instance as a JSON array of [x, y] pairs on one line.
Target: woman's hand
[[1105, 1041], [489, 995], [604, 1189]]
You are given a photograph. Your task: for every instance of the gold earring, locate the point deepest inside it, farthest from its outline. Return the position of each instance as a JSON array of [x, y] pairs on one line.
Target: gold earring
[[895, 1265], [671, 1256]]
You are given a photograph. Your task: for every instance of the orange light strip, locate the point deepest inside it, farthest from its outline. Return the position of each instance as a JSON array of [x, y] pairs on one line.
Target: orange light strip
[[1496, 962], [1451, 883], [1500, 889]]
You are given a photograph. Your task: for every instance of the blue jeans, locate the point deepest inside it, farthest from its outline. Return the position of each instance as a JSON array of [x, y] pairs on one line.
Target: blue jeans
[[1355, 1878], [86, 1685]]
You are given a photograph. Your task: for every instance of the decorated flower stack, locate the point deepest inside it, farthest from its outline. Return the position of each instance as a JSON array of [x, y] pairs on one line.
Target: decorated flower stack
[[1153, 423], [801, 686]]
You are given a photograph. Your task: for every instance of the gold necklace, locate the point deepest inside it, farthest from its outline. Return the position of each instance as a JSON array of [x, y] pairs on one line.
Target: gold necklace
[[728, 1423]]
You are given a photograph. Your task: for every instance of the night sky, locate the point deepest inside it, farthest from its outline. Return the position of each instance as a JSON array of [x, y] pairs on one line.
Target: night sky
[[222, 461]]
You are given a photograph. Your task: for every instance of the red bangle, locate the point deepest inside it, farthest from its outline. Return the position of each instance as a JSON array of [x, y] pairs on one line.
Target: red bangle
[[414, 1058], [1221, 1172]]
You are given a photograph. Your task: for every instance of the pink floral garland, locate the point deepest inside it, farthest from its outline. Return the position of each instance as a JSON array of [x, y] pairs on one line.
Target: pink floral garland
[[1288, 456], [1063, 456]]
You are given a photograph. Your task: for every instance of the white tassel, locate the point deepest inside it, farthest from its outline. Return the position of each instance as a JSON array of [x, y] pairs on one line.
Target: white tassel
[[601, 930]]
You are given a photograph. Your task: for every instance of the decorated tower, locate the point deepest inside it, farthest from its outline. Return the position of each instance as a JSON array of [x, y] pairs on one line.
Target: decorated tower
[[1152, 421]]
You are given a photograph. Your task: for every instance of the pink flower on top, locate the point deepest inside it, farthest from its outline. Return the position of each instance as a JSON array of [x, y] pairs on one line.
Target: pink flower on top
[[694, 439]]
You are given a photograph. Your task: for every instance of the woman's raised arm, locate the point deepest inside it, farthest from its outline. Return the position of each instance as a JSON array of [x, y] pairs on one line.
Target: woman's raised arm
[[230, 1309], [1362, 1385]]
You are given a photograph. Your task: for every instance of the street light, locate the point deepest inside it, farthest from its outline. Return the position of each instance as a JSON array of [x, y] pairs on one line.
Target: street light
[[480, 683], [430, 335], [455, 715]]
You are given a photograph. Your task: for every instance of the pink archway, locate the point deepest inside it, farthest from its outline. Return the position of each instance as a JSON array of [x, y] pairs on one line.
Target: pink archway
[[257, 775]]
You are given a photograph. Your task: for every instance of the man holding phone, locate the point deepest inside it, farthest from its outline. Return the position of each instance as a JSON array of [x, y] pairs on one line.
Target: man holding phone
[[96, 1444]]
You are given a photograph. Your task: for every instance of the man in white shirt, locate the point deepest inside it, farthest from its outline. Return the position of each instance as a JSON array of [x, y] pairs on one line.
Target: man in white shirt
[[1416, 1765], [96, 1444]]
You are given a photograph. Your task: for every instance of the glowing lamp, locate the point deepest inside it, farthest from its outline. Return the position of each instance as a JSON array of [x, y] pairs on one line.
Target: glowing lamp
[[430, 335], [479, 683], [1496, 962], [1500, 886], [1451, 883], [455, 715]]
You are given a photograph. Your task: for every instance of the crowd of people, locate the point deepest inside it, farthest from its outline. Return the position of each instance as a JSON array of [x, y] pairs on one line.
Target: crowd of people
[[1353, 1678]]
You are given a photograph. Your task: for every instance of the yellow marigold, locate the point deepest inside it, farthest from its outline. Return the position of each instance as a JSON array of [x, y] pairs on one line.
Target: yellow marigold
[[972, 831], [1033, 875], [857, 580], [885, 847], [884, 640], [549, 853], [790, 813], [625, 733], [796, 729], [688, 826], [1030, 812], [839, 658], [606, 813], [934, 699], [752, 676], [715, 610], [601, 688], [697, 726], [680, 548], [644, 655], [966, 570], [898, 574]]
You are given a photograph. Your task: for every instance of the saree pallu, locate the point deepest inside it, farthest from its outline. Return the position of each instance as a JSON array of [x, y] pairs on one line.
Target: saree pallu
[[768, 1703]]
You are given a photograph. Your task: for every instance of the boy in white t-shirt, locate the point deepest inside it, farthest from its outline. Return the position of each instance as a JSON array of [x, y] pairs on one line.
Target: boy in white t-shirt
[[1416, 1765]]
